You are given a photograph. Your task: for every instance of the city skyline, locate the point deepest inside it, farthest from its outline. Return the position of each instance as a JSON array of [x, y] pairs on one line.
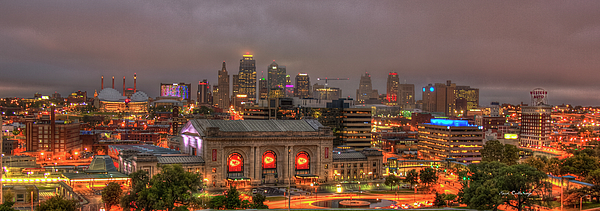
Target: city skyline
[[505, 49]]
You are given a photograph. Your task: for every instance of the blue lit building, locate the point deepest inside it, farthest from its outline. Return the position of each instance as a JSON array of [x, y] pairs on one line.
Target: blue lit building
[[444, 138]]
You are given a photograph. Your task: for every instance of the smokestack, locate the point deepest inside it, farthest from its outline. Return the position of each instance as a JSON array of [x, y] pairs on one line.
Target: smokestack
[[123, 85], [52, 128], [134, 82], [102, 87], [113, 82]]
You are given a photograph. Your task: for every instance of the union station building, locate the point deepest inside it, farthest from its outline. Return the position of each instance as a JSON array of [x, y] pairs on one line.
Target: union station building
[[247, 153]]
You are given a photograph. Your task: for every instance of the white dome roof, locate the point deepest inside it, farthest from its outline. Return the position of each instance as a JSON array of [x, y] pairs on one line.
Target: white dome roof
[[139, 97], [109, 94]]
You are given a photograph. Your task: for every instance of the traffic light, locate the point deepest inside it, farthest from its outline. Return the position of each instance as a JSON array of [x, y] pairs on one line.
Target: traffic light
[[445, 170], [464, 178]]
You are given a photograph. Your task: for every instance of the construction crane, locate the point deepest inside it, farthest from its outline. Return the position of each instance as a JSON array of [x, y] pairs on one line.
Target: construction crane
[[331, 79]]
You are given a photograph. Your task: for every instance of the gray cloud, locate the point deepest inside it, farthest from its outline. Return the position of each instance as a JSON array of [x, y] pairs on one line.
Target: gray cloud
[[505, 48]]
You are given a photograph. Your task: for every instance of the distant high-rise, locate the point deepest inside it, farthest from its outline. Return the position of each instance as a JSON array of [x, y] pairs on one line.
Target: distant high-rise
[[276, 78], [263, 89], [466, 98], [204, 93], [365, 90], [181, 90], [440, 98], [247, 78], [392, 89], [289, 87], [222, 88], [302, 86], [327, 93], [536, 120], [406, 96], [235, 80]]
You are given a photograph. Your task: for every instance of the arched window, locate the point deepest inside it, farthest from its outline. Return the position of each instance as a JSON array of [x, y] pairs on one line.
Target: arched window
[[269, 163], [269, 160], [302, 163], [235, 165]]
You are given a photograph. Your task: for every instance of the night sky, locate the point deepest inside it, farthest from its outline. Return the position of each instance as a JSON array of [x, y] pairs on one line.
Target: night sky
[[504, 48]]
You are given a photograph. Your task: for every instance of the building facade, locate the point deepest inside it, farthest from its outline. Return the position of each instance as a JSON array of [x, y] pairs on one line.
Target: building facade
[[302, 86], [406, 96], [439, 98], [365, 90], [466, 98], [222, 96], [255, 152], [443, 138], [247, 78], [536, 125], [392, 91], [181, 90], [204, 93]]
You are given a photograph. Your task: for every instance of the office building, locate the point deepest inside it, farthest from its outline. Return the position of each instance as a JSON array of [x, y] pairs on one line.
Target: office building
[[444, 138], [439, 98], [247, 78], [263, 89], [365, 90], [467, 98], [204, 93], [392, 89], [406, 96], [536, 125], [276, 75], [302, 86], [328, 93], [222, 95], [289, 87], [181, 90]]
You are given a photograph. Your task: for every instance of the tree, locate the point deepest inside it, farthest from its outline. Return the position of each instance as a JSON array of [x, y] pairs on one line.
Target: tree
[[580, 165], [439, 200], [520, 184], [232, 198], [537, 162], [258, 201], [217, 202], [428, 176], [492, 151], [8, 196], [7, 206], [482, 192], [31, 189], [171, 187], [392, 181], [495, 151], [450, 198], [111, 194], [411, 178], [133, 199], [58, 203], [510, 154]]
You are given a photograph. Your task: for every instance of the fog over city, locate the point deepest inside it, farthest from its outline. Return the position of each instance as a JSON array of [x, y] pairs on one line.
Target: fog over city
[[504, 48]]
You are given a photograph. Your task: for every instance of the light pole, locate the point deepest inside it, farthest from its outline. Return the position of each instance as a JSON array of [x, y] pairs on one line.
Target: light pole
[[289, 181], [359, 189]]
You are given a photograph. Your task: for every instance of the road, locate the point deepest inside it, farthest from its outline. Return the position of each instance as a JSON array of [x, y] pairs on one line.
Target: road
[[306, 202]]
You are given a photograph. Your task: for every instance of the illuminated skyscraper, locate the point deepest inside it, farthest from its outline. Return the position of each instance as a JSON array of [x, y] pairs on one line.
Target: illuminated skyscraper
[[466, 98], [263, 90], [247, 78], [365, 90], [392, 89], [222, 96], [204, 93], [440, 98], [302, 86], [406, 96], [276, 75]]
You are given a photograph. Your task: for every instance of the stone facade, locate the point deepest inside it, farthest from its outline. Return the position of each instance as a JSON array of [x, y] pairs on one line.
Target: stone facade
[[251, 143]]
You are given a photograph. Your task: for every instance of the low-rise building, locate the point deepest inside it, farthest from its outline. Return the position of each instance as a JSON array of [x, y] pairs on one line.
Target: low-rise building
[[443, 138]]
